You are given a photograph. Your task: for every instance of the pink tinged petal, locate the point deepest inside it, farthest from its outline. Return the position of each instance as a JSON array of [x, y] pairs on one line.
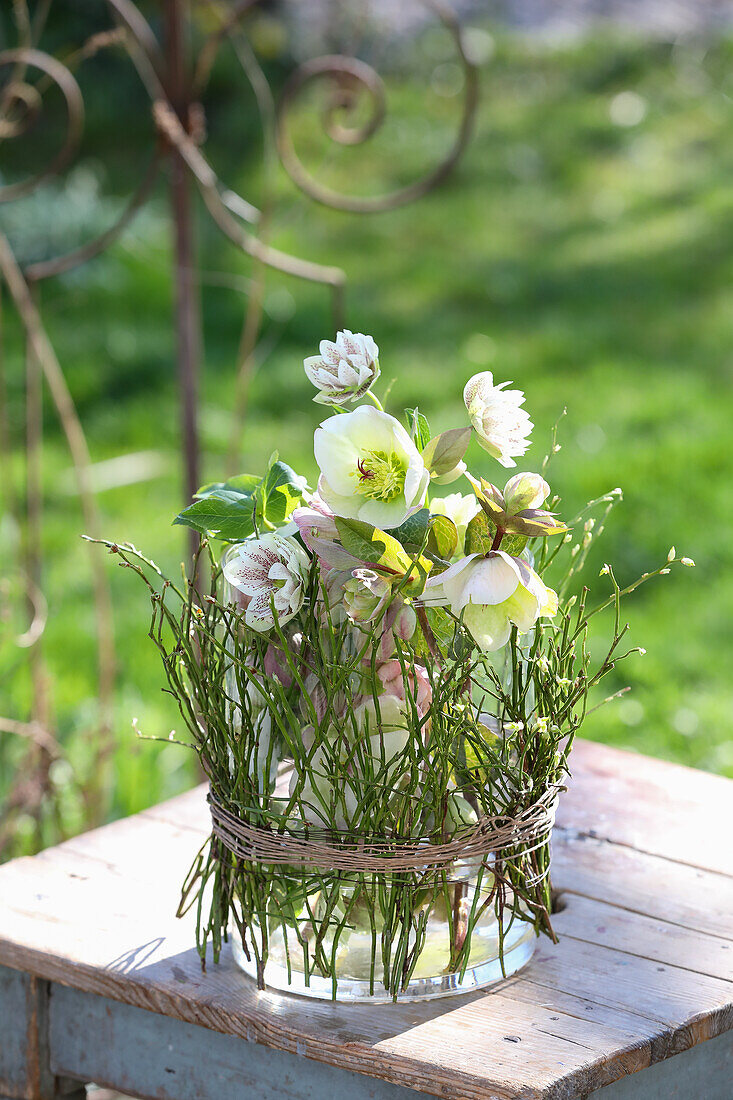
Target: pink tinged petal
[[317, 517], [319, 505], [347, 343], [348, 377], [370, 347], [385, 647], [329, 352], [314, 366], [406, 623], [259, 612], [478, 382], [276, 665], [245, 576]]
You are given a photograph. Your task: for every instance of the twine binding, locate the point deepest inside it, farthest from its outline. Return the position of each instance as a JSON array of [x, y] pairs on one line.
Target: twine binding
[[491, 835]]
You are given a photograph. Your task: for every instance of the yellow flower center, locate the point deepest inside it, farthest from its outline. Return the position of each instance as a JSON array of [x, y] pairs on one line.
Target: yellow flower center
[[380, 476]]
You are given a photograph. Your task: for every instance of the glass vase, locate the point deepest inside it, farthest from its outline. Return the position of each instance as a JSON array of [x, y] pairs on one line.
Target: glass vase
[[341, 937]]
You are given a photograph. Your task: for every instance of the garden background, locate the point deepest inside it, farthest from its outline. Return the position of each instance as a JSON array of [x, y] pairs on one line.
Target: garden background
[[582, 248]]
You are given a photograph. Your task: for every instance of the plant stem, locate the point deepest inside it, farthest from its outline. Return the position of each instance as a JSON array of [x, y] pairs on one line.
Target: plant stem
[[428, 635], [374, 399]]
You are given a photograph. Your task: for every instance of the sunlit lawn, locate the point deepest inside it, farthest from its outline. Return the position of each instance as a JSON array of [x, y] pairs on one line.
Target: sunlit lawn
[[584, 249]]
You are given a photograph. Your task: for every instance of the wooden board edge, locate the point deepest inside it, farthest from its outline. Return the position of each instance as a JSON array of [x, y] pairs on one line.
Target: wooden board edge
[[452, 1084]]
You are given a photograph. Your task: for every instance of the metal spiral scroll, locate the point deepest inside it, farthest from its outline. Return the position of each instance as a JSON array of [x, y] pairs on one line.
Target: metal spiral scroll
[[21, 104], [27, 74], [350, 80]]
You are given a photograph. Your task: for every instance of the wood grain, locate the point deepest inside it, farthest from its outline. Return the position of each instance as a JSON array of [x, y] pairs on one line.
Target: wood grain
[[698, 900], [643, 969], [650, 805]]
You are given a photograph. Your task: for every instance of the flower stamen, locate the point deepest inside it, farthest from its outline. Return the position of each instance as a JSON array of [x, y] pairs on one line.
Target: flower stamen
[[381, 475]]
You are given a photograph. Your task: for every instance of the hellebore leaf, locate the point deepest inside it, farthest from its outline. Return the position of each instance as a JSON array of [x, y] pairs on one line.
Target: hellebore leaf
[[412, 532], [383, 553], [443, 452], [280, 492], [480, 535], [225, 514], [418, 427], [443, 538]]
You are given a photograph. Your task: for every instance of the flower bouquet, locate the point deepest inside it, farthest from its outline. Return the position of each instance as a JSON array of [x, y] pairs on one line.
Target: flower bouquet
[[383, 691]]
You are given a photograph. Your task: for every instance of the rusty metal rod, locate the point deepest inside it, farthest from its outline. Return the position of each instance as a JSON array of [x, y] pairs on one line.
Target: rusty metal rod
[[187, 306]]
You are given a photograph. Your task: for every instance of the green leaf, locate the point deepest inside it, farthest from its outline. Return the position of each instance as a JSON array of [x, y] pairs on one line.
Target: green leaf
[[384, 553], [536, 523], [242, 483], [412, 532], [445, 451], [369, 544], [443, 628], [418, 427], [281, 491], [225, 514], [443, 539], [513, 544], [480, 536]]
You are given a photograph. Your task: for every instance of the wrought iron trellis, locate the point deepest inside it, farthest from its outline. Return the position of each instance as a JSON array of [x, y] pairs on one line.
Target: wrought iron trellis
[[175, 82]]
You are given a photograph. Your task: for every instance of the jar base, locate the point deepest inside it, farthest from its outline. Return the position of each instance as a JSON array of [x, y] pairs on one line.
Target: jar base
[[519, 949]]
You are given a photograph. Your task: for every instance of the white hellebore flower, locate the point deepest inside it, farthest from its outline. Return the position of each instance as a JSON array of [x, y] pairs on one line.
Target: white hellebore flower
[[492, 592], [497, 416], [370, 468], [461, 509], [344, 370], [268, 570]]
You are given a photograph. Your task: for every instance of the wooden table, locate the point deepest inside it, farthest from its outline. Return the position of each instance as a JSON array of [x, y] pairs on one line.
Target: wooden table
[[99, 982]]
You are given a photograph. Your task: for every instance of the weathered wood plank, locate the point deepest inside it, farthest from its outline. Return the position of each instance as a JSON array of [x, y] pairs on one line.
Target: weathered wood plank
[[404, 1044], [672, 996], [97, 914], [648, 938], [93, 1038], [650, 805], [25, 1067], [699, 900], [129, 962], [703, 1073]]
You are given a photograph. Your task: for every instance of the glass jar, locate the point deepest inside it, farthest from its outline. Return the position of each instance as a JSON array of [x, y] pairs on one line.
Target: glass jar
[[342, 938]]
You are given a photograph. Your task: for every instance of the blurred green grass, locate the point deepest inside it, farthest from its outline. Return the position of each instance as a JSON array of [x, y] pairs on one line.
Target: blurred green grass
[[581, 249]]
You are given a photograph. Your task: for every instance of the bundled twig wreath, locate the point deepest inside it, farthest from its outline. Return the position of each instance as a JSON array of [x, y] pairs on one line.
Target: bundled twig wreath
[[329, 852]]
